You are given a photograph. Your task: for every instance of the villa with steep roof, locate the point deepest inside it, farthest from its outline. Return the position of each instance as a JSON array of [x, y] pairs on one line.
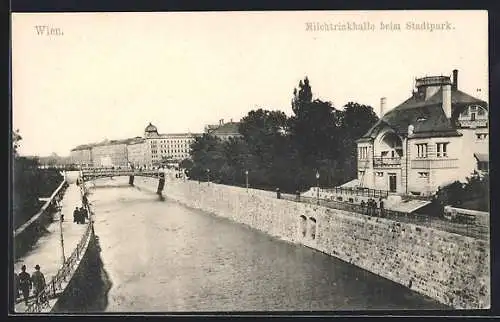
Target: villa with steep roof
[[437, 136]]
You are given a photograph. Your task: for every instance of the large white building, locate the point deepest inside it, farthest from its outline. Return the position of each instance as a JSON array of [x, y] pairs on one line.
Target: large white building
[[437, 136], [172, 146], [153, 149]]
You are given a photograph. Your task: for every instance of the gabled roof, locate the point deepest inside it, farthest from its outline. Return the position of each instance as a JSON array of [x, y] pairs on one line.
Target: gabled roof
[[482, 157], [427, 116], [231, 128]]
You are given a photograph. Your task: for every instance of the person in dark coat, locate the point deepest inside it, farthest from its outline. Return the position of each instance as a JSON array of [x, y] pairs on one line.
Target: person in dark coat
[[25, 283], [85, 213], [38, 280], [82, 215], [381, 206], [76, 217]]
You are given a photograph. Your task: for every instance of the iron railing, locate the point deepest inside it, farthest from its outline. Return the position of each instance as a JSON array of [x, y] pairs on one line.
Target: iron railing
[[56, 195], [379, 162], [466, 225], [63, 275], [362, 192], [121, 172]]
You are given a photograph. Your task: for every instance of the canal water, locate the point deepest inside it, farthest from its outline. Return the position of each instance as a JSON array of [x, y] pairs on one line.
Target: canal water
[[159, 256]]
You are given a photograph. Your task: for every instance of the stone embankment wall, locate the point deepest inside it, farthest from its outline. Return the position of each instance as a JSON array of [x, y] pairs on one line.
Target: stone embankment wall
[[450, 268], [28, 233]]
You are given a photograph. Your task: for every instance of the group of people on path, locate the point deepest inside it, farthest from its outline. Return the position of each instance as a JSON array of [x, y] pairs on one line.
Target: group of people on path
[[372, 209], [80, 214], [24, 283]]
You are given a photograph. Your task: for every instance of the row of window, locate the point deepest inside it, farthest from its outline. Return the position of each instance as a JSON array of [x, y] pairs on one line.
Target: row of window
[[441, 150], [381, 174], [170, 151], [363, 152]]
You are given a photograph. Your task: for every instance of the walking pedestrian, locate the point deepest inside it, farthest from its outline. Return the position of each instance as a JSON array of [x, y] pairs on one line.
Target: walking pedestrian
[[381, 206], [38, 281], [81, 215], [75, 215], [85, 213], [25, 283]]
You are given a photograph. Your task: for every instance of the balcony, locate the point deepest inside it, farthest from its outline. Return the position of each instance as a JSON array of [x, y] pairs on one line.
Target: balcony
[[385, 162], [363, 164], [441, 163]]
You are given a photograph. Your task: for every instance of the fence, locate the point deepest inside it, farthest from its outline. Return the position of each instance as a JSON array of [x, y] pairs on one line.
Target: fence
[[363, 192], [466, 226], [58, 283]]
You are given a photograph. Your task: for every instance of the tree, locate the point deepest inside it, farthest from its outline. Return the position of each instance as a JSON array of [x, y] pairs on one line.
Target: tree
[[16, 141], [186, 164], [354, 121]]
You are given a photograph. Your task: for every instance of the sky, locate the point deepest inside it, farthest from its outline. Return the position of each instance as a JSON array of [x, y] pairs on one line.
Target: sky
[[107, 75]]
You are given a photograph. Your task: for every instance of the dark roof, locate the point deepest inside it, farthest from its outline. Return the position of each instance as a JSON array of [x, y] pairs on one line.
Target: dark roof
[[82, 147], [482, 157], [427, 116], [230, 128], [150, 128]]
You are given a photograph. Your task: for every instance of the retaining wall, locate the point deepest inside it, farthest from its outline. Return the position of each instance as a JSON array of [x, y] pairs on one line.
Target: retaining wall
[[28, 233], [450, 268]]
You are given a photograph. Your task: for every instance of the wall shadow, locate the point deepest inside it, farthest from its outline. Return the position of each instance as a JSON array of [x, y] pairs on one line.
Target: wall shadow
[[89, 288]]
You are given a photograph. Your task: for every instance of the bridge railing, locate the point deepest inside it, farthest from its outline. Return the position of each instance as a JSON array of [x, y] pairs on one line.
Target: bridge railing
[[58, 283], [121, 172]]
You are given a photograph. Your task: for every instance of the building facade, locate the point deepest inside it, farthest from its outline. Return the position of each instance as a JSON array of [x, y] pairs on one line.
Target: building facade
[[224, 130], [437, 136], [136, 152], [151, 150], [110, 154], [166, 148], [82, 155]]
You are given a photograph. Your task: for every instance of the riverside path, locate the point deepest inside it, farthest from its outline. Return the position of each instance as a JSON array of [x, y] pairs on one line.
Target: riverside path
[[47, 252]]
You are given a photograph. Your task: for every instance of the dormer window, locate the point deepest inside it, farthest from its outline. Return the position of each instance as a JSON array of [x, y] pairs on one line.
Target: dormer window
[[421, 119]]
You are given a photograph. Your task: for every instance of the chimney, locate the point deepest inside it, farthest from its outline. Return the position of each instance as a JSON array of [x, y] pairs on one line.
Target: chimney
[[383, 103], [455, 79], [222, 121], [447, 100]]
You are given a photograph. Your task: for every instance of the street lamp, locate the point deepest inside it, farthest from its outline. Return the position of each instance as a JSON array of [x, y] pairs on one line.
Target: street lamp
[[246, 174], [208, 176], [61, 232], [317, 191]]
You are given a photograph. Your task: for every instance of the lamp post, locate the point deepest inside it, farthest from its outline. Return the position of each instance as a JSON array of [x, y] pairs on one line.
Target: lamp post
[[246, 175], [61, 232], [317, 191], [208, 176]]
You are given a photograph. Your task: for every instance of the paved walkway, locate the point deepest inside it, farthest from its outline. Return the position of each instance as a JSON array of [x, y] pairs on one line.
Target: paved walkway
[[47, 252]]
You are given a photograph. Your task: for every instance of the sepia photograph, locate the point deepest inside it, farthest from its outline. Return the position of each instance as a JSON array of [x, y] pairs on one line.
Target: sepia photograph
[[250, 161]]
